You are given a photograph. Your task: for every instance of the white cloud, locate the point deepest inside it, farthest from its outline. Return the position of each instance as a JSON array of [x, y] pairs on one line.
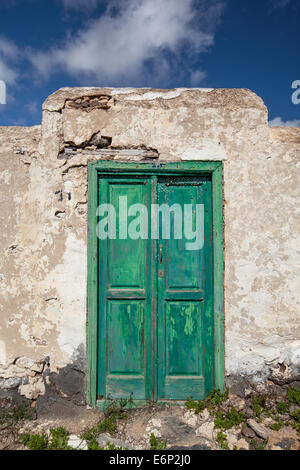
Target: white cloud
[[33, 107], [279, 4], [8, 48], [79, 4], [7, 74], [197, 76], [9, 54], [278, 122], [123, 42]]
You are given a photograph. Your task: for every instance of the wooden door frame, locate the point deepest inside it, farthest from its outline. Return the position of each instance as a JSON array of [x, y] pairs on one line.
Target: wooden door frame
[[192, 168]]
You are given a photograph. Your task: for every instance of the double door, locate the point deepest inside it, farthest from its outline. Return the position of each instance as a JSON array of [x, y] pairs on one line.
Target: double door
[[155, 292]]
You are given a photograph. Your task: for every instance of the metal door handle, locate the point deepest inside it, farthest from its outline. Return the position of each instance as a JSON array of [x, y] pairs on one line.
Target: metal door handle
[[160, 254]]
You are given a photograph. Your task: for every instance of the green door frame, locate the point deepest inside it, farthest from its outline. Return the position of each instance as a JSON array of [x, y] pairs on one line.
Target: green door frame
[[98, 168]]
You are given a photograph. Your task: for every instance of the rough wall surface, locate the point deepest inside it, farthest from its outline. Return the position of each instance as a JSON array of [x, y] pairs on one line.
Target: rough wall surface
[[43, 272]]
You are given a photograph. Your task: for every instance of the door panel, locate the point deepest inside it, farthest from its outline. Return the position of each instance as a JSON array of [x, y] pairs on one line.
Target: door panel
[[183, 267], [125, 337], [185, 329], [126, 257], [183, 333]]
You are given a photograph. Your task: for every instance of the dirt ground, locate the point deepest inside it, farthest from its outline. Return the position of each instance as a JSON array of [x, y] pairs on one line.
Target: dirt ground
[[246, 424]]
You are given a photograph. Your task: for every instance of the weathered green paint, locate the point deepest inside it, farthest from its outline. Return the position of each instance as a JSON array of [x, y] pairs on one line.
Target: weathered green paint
[[218, 270], [125, 313], [92, 337], [185, 339]]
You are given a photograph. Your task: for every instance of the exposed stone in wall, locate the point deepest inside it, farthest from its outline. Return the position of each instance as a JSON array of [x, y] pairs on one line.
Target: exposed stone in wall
[[147, 119], [87, 103], [43, 249], [48, 387]]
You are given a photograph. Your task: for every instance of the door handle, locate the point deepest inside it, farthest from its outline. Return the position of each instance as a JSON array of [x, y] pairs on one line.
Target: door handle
[[160, 254]]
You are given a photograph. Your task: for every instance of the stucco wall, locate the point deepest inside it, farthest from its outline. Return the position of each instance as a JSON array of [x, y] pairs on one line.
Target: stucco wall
[[43, 273]]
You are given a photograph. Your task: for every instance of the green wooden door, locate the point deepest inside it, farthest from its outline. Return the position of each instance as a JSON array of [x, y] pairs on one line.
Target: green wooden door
[[185, 316], [155, 327], [124, 344]]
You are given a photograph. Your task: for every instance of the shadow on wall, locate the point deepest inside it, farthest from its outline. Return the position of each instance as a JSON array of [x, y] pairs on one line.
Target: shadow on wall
[[64, 389]]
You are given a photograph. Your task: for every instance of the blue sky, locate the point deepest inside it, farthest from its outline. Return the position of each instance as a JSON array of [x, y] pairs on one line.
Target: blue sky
[[48, 44]]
